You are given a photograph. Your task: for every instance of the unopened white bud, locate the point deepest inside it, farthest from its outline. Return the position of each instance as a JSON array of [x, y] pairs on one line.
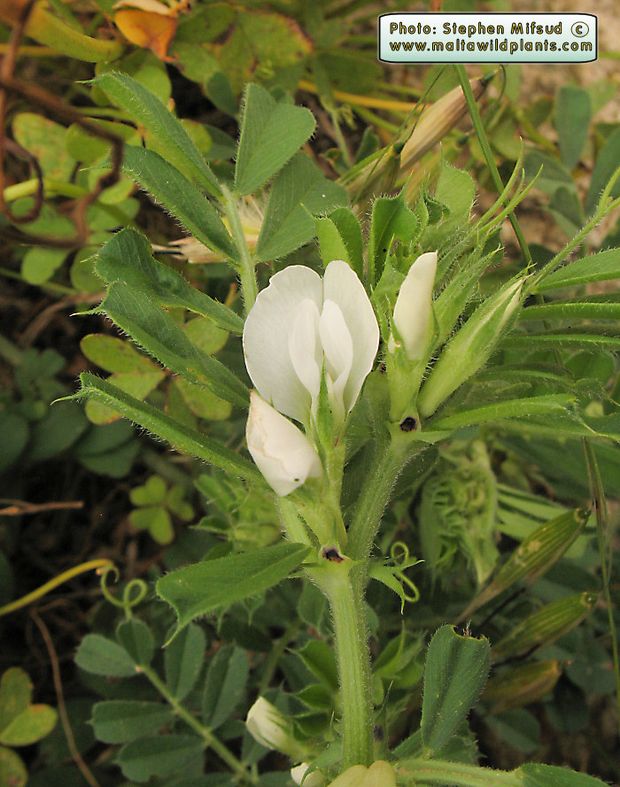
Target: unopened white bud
[[282, 452]]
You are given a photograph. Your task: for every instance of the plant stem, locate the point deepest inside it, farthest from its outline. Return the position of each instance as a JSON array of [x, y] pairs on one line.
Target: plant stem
[[353, 658], [488, 155], [205, 733], [456, 773], [247, 272], [10, 352], [389, 461]]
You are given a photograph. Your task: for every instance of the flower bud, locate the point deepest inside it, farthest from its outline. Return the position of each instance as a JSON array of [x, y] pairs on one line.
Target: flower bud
[[413, 312], [281, 451], [468, 351], [436, 121], [272, 729], [314, 779]]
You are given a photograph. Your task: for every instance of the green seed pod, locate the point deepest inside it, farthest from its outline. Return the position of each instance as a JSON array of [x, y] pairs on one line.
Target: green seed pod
[[545, 626], [468, 351], [534, 556], [522, 685]]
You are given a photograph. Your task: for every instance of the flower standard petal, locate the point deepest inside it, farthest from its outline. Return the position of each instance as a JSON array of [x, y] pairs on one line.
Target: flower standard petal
[[341, 285], [414, 305], [266, 339], [281, 451]]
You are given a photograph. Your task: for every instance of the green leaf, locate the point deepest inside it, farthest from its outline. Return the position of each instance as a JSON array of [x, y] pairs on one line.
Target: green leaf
[[127, 258], [572, 118], [573, 310], [535, 342], [102, 656], [596, 267], [202, 402], [205, 334], [225, 685], [161, 756], [553, 175], [299, 192], [15, 694], [349, 230], [319, 658], [156, 520], [178, 195], [331, 242], [180, 437], [153, 329], [271, 133], [536, 774], [14, 431], [152, 492], [114, 355], [45, 140], [513, 408], [203, 587], [391, 218], [108, 450], [39, 263], [30, 726], [171, 139], [137, 639], [183, 660], [455, 673], [456, 190], [136, 384], [606, 165], [120, 721], [12, 769], [61, 426]]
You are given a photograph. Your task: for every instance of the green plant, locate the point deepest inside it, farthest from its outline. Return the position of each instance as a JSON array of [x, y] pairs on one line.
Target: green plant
[[445, 371]]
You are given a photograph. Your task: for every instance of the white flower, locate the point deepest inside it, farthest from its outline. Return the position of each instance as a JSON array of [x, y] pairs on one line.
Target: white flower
[[413, 312], [314, 779], [282, 452], [271, 728], [302, 326]]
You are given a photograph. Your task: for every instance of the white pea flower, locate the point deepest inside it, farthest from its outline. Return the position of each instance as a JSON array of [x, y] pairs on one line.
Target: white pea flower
[[413, 312], [281, 451], [272, 729], [301, 327], [314, 779]]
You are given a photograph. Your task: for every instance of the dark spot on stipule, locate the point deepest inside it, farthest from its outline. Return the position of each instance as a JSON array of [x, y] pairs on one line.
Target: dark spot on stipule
[[408, 424], [331, 553]]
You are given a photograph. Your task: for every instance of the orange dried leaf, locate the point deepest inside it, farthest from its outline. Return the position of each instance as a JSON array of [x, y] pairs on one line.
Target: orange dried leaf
[[147, 29]]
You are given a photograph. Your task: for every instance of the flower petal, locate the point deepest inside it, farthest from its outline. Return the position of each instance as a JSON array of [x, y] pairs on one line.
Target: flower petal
[[414, 305], [305, 348], [266, 337], [341, 285], [281, 451], [338, 348]]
